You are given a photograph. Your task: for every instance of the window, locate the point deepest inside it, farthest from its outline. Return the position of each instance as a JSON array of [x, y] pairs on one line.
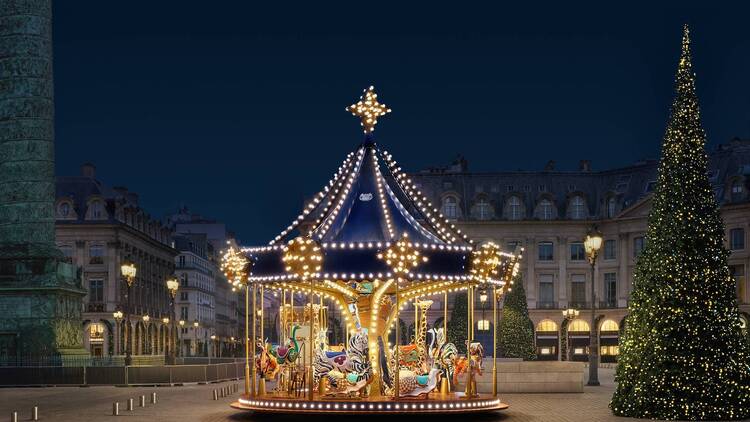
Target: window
[[482, 210], [611, 207], [96, 210], [578, 290], [610, 325], [610, 249], [63, 210], [610, 350], [450, 207], [546, 251], [184, 296], [546, 289], [610, 289], [544, 210], [546, 326], [184, 313], [96, 291], [638, 244], [737, 189], [96, 332], [738, 273], [483, 325], [577, 251], [737, 239], [514, 208], [577, 208], [579, 325], [96, 254], [513, 244]]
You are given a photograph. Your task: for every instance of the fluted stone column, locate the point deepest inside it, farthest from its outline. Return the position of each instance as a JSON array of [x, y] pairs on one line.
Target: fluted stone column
[[40, 294]]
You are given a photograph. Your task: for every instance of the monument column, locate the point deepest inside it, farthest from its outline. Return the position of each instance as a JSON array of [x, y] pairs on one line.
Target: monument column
[[40, 294]]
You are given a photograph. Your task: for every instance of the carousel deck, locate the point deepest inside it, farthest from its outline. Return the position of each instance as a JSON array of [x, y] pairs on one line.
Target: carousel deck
[[434, 403]]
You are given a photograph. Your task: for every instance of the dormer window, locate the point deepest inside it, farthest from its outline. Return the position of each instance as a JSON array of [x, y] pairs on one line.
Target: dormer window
[[96, 210], [611, 207], [449, 207], [544, 210], [577, 208], [64, 210], [482, 209], [514, 208]]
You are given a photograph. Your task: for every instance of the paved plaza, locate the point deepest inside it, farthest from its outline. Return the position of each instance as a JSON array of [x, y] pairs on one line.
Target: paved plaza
[[195, 403]]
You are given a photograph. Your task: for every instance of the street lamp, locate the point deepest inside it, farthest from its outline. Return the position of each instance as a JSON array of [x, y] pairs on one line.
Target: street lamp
[[593, 243], [117, 315], [196, 324], [173, 285], [182, 325], [213, 344], [128, 271], [569, 315], [146, 341]]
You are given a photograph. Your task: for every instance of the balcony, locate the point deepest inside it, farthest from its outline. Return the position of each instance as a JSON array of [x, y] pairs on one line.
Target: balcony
[[608, 304], [579, 304], [546, 305]]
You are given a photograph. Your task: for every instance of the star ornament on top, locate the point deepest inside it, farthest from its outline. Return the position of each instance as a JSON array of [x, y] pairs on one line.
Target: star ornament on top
[[368, 109]]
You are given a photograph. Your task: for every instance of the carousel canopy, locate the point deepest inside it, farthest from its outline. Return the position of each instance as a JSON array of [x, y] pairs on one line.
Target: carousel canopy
[[367, 206]]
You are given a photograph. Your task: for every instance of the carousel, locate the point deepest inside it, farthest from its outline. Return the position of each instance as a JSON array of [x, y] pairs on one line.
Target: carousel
[[369, 247]]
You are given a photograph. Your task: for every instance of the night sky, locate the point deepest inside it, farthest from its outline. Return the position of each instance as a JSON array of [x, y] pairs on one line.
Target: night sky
[[237, 111]]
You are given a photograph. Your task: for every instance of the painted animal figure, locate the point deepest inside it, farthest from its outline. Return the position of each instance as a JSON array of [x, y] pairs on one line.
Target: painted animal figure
[[412, 385], [268, 367], [476, 355], [353, 363], [288, 353], [443, 355]]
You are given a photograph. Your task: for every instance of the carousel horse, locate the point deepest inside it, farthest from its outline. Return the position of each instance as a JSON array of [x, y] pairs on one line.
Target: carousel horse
[[345, 372], [443, 355], [288, 353], [268, 367]]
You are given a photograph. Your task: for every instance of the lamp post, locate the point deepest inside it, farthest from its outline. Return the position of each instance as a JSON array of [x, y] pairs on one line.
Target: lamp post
[[146, 338], [128, 271], [166, 342], [196, 324], [182, 325], [569, 315], [117, 315], [173, 285], [213, 346], [593, 243]]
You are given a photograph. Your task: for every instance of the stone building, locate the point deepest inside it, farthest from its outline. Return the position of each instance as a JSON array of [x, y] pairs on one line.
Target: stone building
[[97, 228], [205, 294], [549, 212]]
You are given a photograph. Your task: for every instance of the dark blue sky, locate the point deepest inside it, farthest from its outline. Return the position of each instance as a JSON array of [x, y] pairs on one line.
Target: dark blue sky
[[238, 110]]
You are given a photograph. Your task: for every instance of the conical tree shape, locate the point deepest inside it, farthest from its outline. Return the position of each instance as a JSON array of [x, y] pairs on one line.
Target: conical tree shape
[[515, 333], [682, 355]]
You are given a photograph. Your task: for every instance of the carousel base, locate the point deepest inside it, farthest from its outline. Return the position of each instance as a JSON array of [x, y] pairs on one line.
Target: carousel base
[[435, 403]]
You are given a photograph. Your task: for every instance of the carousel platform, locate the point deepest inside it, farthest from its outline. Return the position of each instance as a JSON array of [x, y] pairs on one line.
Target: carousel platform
[[435, 403]]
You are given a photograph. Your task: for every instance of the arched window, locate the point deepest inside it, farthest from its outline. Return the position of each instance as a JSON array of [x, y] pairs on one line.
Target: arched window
[[514, 208], [449, 207], [579, 326], [544, 210], [482, 209], [611, 207], [546, 326], [610, 325], [577, 208], [64, 210]]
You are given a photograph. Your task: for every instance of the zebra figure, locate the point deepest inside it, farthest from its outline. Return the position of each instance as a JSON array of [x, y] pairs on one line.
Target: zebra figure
[[353, 362], [443, 355]]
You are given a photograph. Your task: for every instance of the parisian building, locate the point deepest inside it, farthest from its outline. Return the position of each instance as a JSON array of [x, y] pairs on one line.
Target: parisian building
[[205, 295], [549, 212], [98, 227]]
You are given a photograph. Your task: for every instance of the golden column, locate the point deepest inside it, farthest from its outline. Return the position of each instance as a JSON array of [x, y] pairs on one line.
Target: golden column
[[495, 299], [303, 258]]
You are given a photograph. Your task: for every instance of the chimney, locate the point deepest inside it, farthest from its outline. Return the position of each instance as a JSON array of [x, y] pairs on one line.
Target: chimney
[[88, 170], [132, 198], [584, 165], [550, 166]]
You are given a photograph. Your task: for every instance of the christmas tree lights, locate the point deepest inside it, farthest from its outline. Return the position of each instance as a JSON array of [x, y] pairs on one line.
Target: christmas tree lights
[[682, 354]]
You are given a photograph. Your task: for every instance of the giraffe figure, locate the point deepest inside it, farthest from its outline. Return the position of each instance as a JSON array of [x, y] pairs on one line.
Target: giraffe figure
[[414, 356]]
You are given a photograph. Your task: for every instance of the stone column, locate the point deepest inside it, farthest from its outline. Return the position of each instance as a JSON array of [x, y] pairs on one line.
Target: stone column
[[562, 243], [40, 293]]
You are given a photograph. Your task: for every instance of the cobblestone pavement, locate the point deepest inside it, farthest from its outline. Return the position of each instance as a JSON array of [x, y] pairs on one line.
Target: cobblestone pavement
[[195, 403]]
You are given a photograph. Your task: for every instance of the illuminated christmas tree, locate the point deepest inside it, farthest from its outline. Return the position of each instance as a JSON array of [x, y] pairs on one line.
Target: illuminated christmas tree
[[515, 333], [682, 355]]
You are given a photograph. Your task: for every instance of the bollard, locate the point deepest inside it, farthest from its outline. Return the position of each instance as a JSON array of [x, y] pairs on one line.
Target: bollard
[[115, 409], [153, 398], [221, 392], [35, 413], [143, 401], [14, 417], [130, 405], [216, 395]]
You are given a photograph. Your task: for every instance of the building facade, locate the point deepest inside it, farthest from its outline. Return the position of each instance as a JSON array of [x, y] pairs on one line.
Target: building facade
[[97, 227], [549, 213], [205, 294]]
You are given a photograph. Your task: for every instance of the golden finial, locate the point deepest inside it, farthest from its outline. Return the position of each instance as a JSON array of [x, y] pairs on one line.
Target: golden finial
[[368, 109]]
